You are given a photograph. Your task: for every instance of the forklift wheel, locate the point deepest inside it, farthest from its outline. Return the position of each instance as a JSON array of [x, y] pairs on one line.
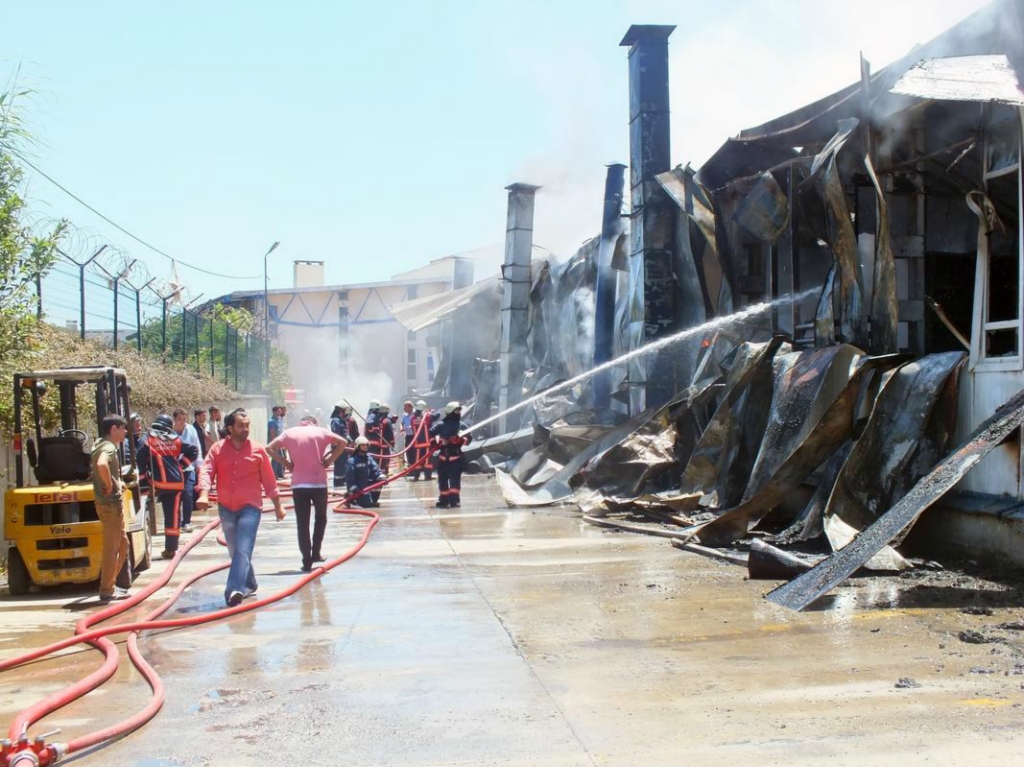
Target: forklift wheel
[[147, 558], [18, 579]]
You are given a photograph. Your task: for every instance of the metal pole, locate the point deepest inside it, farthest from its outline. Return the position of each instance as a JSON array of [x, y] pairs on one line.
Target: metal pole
[[236, 360], [213, 368], [266, 313], [184, 337], [163, 328], [116, 279], [81, 301], [227, 353]]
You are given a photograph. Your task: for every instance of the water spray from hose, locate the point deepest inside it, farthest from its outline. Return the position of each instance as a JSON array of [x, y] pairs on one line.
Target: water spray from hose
[[661, 343]]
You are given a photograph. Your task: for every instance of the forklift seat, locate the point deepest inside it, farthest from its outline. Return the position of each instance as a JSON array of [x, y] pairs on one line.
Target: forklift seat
[[62, 459]]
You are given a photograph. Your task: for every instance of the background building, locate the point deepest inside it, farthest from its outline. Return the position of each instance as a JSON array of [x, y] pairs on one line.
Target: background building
[[342, 340]]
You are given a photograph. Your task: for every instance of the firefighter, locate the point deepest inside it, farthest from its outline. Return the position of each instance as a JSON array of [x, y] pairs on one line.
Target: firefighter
[[362, 471], [387, 437], [447, 435], [344, 425], [422, 418], [162, 459], [371, 428]]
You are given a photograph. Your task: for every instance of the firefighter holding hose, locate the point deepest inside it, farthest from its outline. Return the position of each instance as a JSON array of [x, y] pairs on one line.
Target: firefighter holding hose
[[449, 438]]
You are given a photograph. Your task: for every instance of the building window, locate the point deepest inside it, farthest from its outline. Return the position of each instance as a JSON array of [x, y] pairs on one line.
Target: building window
[[343, 295], [411, 335], [411, 356], [411, 292], [999, 298]]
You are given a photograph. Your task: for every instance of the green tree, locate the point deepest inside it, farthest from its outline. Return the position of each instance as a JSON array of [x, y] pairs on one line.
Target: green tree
[[24, 256]]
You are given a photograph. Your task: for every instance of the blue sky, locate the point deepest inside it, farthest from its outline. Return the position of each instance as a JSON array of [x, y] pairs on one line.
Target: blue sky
[[376, 137]]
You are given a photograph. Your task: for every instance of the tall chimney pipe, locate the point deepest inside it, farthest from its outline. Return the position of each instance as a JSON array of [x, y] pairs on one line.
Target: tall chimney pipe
[[604, 300], [652, 215], [516, 297]]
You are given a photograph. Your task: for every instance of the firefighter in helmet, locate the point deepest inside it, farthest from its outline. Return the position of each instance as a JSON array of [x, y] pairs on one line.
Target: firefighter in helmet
[[449, 438], [422, 418], [344, 425], [162, 460], [361, 471]]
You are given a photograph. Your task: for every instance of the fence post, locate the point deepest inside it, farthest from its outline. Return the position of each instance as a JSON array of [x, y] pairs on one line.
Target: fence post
[[213, 367]]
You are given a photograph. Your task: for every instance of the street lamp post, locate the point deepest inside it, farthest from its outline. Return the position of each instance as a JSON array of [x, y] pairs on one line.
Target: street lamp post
[[266, 314]]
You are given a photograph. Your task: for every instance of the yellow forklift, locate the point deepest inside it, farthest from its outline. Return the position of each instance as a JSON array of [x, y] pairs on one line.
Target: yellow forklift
[[52, 528]]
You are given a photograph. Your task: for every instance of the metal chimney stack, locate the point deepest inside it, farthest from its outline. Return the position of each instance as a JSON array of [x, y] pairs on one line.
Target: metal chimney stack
[[652, 216], [516, 299]]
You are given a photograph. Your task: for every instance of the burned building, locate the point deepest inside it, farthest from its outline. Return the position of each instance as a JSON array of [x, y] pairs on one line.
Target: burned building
[[840, 293]]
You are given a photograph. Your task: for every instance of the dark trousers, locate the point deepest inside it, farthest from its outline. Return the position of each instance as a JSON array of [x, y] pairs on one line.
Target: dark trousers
[[449, 480], [170, 501], [188, 498], [304, 498], [366, 500], [418, 453], [385, 458], [339, 470]]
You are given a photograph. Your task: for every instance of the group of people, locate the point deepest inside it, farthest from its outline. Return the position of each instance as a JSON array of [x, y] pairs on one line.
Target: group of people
[[180, 462]]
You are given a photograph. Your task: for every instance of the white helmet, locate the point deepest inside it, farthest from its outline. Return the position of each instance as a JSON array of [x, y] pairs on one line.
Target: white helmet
[[421, 405], [374, 403], [384, 408], [362, 441], [451, 407]]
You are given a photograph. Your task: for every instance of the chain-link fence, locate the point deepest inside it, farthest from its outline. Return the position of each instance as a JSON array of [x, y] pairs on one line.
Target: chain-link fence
[[107, 296]]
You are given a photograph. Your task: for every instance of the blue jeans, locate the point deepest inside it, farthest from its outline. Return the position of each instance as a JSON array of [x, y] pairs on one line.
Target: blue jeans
[[188, 498], [240, 533]]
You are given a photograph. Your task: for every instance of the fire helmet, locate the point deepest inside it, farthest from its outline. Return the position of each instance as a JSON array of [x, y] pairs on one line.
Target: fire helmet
[[362, 441], [421, 405], [451, 407], [374, 403], [384, 408]]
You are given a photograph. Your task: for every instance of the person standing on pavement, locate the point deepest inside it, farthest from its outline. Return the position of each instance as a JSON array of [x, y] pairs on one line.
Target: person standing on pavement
[[422, 418], [274, 428], [189, 436], [387, 437], [162, 461], [136, 432], [199, 424], [311, 450], [361, 472], [406, 424], [107, 489], [214, 428], [242, 473], [449, 438]]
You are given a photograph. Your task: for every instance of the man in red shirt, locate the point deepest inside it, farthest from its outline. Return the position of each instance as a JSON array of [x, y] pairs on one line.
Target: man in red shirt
[[242, 472], [311, 450]]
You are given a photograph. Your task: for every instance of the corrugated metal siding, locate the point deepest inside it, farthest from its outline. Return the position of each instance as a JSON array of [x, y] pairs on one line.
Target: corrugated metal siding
[[981, 393]]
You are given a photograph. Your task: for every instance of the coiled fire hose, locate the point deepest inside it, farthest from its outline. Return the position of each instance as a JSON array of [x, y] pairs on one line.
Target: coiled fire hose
[[17, 750]]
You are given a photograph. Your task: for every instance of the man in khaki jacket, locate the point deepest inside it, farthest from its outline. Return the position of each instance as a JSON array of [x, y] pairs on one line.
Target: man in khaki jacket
[[107, 487]]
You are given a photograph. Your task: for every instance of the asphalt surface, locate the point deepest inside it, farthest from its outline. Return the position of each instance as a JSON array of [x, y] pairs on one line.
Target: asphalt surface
[[495, 636]]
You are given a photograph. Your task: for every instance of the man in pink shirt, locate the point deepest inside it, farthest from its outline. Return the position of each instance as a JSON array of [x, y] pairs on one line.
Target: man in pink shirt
[[307, 451], [242, 472]]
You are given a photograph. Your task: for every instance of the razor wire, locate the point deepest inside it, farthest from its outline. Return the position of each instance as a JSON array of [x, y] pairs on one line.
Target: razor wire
[[100, 292]]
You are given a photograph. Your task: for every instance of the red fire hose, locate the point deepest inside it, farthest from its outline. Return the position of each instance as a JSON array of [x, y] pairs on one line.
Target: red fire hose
[[19, 751]]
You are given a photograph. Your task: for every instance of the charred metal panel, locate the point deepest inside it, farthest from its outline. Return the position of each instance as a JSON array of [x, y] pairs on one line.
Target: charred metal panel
[[892, 453], [842, 238], [799, 593], [652, 217], [884, 306], [764, 211], [604, 295], [800, 458]]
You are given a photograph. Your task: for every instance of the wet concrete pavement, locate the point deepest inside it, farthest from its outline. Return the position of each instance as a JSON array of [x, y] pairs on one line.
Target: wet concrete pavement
[[495, 636]]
